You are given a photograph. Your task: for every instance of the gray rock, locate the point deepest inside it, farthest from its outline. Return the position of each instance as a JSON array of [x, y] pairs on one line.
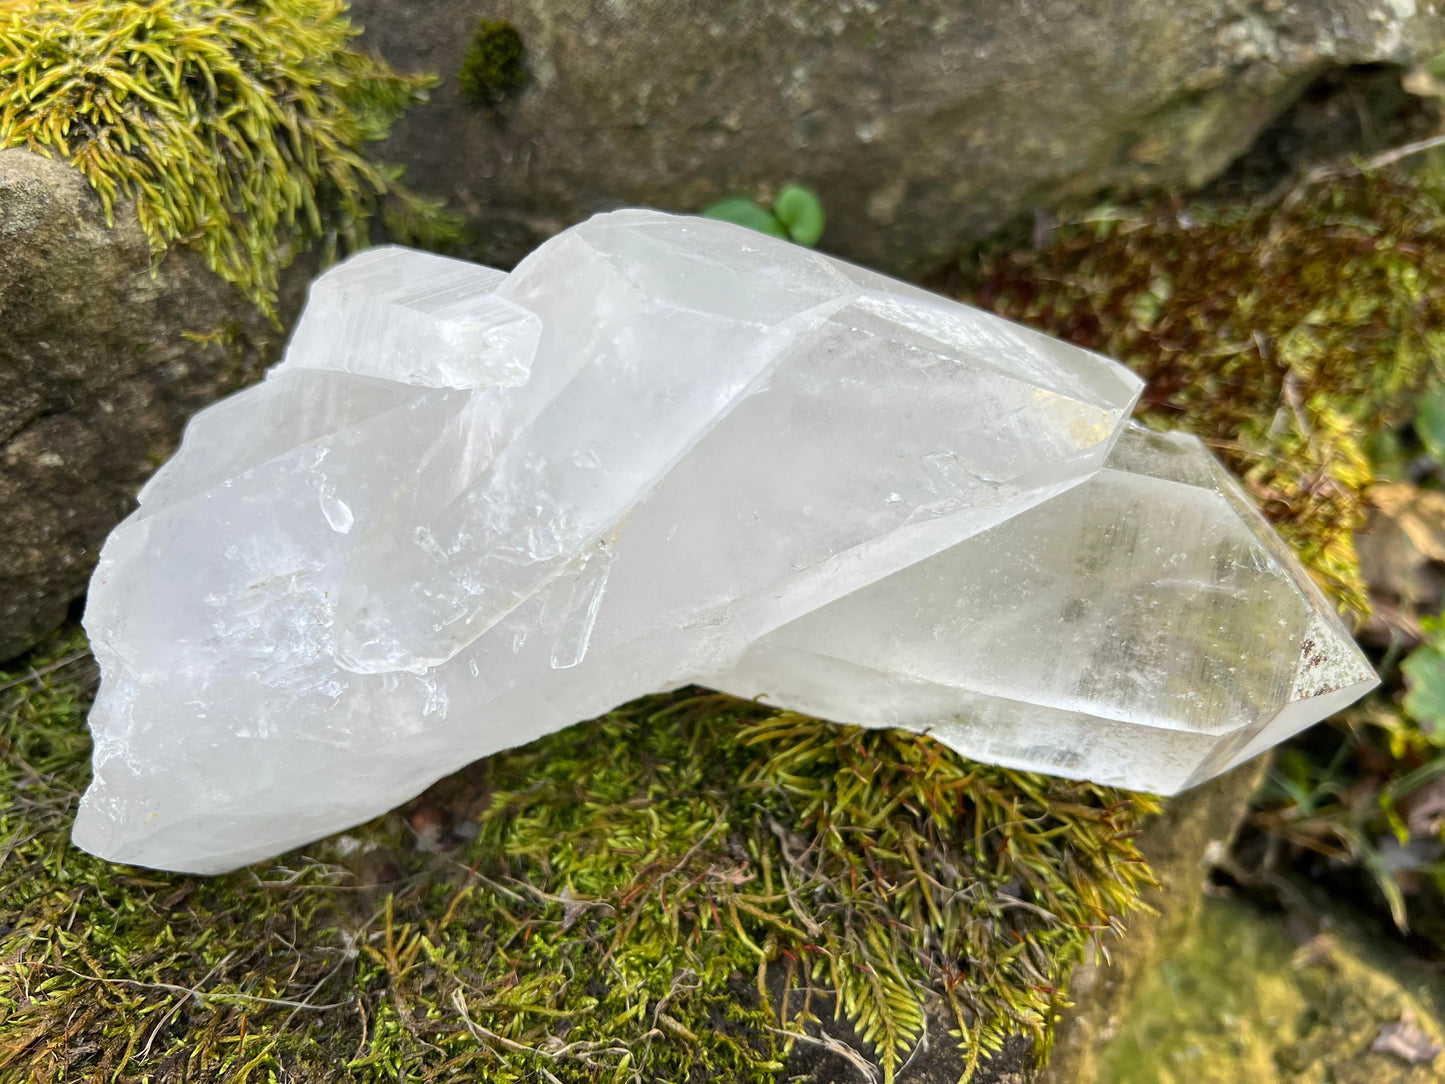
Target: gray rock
[[921, 125], [99, 370]]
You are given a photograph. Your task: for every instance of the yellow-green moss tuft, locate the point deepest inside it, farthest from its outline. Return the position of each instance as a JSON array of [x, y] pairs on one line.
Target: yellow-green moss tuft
[[237, 126], [667, 893], [1285, 335]]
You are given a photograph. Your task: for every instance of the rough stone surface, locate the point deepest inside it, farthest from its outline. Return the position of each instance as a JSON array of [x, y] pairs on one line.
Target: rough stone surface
[[921, 125], [97, 377], [1181, 845]]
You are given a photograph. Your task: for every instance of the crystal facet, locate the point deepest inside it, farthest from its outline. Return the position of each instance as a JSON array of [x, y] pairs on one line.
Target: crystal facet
[[469, 509]]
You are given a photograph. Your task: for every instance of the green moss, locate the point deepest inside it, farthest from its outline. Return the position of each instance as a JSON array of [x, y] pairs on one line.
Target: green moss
[[494, 68], [666, 893], [238, 128], [1285, 335]]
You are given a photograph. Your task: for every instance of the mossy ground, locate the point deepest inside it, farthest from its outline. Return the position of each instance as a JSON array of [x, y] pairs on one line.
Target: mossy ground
[[668, 893]]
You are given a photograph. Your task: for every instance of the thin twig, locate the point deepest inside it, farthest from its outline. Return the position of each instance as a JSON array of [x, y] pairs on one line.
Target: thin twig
[[33, 674], [282, 1002], [834, 1046], [1293, 189], [918, 1048], [580, 1051], [195, 993], [1378, 161]]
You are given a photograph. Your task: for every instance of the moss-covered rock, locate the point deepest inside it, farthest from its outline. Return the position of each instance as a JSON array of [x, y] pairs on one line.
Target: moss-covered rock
[[1193, 831], [494, 68], [236, 129], [1286, 333], [1240, 999]]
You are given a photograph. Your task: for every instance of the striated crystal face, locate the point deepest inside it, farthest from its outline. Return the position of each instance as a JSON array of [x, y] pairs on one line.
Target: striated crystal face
[[469, 509], [417, 318]]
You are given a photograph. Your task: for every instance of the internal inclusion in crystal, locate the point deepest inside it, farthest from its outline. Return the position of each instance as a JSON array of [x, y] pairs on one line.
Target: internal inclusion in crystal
[[469, 509]]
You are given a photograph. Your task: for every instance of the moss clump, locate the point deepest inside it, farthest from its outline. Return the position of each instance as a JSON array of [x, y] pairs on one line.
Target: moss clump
[[237, 126], [666, 893], [1283, 334], [494, 68]]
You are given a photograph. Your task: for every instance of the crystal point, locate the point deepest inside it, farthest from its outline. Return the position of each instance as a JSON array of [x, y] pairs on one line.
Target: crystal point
[[470, 508]]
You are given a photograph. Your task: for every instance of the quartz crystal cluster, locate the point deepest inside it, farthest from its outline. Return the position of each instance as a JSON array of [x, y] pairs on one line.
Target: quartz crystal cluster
[[469, 508]]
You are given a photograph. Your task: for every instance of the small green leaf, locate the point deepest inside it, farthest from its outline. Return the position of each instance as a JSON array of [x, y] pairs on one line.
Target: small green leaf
[[1430, 421], [744, 212], [801, 212], [1424, 672]]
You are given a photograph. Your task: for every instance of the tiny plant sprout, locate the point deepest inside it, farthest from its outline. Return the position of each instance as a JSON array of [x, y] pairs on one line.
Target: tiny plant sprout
[[495, 68], [797, 215]]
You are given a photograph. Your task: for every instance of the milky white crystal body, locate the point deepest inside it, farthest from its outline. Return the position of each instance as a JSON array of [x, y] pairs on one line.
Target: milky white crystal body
[[657, 442]]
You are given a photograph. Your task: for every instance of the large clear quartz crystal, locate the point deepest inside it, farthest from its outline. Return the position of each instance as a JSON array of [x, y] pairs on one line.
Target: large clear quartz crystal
[[1146, 628], [469, 509]]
